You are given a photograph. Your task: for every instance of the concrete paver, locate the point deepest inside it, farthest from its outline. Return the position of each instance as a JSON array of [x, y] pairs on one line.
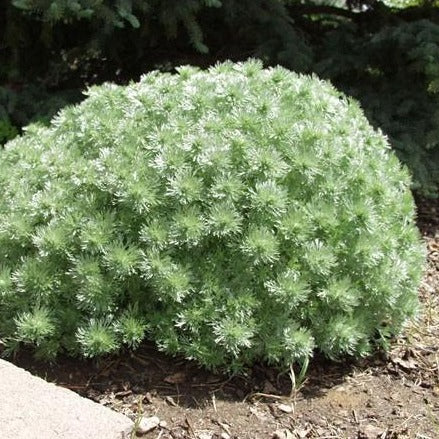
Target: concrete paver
[[31, 408]]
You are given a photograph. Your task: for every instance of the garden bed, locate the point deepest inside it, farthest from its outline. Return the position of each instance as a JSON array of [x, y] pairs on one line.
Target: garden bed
[[391, 396]]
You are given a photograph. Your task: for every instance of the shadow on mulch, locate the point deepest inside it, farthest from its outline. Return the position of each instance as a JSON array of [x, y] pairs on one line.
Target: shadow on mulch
[[148, 372], [428, 216]]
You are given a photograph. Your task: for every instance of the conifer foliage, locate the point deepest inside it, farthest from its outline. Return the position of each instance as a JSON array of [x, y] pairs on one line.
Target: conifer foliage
[[387, 57], [231, 215], [394, 73]]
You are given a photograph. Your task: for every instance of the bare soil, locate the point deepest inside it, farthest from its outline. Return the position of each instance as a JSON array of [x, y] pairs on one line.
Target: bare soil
[[389, 396]]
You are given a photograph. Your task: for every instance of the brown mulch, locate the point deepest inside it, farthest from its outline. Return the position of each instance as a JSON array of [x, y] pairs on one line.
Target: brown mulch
[[392, 396]]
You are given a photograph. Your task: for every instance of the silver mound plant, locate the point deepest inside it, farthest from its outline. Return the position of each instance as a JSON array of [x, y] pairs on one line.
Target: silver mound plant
[[232, 215]]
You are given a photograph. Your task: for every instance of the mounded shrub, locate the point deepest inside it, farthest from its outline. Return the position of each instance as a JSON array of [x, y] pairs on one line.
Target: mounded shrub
[[232, 215]]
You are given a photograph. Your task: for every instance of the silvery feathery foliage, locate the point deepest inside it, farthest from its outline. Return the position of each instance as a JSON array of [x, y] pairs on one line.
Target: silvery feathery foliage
[[233, 215]]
